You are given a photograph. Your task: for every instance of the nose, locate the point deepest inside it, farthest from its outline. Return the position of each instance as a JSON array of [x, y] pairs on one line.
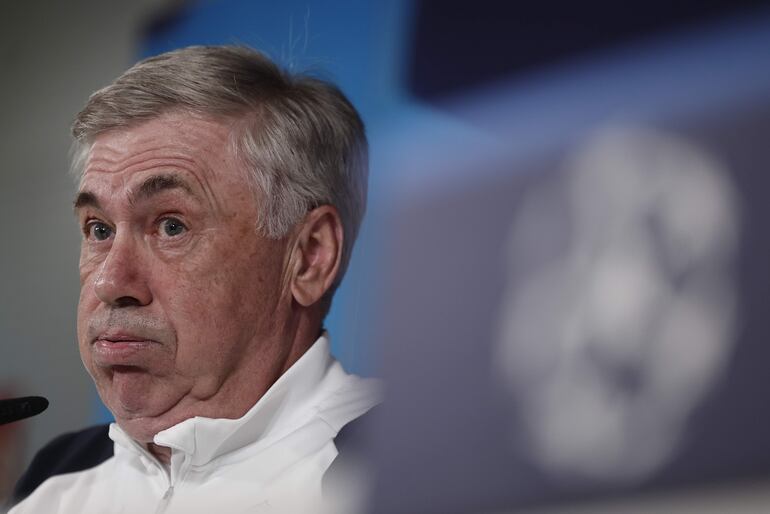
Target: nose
[[122, 279]]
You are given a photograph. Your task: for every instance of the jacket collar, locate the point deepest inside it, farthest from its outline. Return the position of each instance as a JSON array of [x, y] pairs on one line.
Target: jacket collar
[[290, 401]]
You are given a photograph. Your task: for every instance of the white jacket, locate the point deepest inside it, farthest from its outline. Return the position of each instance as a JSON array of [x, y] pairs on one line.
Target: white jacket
[[270, 460]]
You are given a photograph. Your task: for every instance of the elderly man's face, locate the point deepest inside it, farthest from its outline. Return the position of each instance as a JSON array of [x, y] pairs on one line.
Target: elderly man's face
[[181, 299]]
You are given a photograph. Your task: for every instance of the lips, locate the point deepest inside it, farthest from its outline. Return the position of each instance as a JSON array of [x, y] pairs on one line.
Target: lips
[[111, 350], [122, 338]]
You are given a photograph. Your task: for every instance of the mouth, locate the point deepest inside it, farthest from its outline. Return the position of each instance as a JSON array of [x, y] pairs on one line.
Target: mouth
[[119, 337], [121, 350]]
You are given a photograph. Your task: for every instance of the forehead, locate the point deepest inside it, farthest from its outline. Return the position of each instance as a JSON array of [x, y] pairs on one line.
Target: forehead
[[172, 141]]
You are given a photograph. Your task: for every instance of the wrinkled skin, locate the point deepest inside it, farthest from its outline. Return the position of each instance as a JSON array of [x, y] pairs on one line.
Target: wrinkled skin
[[185, 309]]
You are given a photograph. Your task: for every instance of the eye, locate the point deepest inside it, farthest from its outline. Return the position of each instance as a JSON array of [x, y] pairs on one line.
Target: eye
[[172, 227], [98, 231]]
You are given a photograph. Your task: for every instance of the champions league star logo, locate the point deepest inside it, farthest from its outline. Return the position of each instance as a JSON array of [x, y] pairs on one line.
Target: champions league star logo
[[619, 311]]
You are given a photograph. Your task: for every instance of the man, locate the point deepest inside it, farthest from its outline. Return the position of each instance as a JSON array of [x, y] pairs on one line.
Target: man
[[219, 199]]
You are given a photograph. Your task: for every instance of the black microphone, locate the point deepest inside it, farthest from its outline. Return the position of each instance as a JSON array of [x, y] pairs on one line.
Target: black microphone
[[15, 409]]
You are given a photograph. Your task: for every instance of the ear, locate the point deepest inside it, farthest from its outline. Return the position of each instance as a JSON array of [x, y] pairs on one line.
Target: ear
[[316, 255]]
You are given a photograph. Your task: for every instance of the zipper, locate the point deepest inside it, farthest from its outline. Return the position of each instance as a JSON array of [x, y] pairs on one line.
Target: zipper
[[172, 480], [166, 472], [165, 500]]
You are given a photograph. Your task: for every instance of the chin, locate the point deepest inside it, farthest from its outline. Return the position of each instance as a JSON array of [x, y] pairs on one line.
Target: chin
[[142, 430], [141, 419], [137, 431]]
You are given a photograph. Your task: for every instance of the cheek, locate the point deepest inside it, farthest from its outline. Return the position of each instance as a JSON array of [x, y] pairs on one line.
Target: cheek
[[196, 306], [203, 308], [83, 345], [88, 304], [85, 306], [219, 311], [89, 262], [88, 301]]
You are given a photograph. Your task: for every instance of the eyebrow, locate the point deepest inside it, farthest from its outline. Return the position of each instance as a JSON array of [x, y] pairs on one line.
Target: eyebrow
[[158, 183], [151, 186], [86, 199]]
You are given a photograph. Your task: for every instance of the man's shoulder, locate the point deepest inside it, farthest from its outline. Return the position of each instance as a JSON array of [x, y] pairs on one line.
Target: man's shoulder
[[68, 453], [352, 397]]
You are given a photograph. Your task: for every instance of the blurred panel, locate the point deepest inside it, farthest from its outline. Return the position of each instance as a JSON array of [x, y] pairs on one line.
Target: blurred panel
[[575, 309], [459, 45], [618, 310]]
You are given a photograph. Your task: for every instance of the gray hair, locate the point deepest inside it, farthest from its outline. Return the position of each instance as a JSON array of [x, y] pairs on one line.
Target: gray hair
[[301, 141]]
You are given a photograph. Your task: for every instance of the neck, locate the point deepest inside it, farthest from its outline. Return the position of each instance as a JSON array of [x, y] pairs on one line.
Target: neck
[[162, 453], [242, 389]]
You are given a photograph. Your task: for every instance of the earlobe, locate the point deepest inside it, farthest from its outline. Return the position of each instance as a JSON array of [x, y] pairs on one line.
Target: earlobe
[[317, 255]]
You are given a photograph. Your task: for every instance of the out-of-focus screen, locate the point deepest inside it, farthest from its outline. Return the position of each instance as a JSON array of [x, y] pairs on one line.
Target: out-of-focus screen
[[575, 301]]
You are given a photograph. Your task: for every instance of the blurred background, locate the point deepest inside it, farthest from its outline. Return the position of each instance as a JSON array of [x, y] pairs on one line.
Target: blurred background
[[563, 270]]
